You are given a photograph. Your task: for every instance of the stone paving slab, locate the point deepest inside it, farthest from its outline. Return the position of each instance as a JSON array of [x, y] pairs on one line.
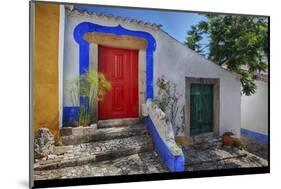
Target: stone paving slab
[[66, 156], [142, 163]]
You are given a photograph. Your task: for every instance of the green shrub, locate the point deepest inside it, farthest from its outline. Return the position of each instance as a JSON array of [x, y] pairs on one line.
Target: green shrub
[[91, 85]]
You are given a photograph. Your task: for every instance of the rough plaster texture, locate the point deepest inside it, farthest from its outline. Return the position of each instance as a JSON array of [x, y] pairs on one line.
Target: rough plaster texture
[[46, 86], [172, 59], [179, 61], [254, 109]]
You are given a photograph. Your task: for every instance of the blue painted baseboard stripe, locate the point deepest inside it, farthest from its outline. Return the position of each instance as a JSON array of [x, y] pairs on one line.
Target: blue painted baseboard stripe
[[258, 136], [70, 115], [174, 163]]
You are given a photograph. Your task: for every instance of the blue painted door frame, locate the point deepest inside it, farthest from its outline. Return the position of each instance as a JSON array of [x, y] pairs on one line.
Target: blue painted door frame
[[70, 113]]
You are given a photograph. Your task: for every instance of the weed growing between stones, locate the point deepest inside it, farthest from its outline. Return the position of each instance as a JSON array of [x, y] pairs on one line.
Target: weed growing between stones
[[167, 100]]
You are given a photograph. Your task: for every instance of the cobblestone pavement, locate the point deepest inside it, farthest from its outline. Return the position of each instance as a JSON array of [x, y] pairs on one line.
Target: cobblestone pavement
[[211, 155], [111, 145], [254, 146], [142, 163], [135, 155]]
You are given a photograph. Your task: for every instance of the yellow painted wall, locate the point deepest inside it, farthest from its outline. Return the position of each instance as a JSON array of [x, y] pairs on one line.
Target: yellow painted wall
[[46, 98]]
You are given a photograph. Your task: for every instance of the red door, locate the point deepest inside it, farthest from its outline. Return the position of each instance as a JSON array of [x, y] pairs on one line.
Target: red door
[[120, 67]]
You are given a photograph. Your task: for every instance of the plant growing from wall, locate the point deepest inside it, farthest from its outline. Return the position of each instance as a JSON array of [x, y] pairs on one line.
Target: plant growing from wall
[[182, 116], [90, 87], [167, 99], [163, 96], [173, 106]]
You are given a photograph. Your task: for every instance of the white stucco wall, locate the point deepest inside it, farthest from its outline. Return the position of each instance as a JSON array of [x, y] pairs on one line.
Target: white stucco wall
[[254, 109], [71, 48], [171, 59], [176, 61]]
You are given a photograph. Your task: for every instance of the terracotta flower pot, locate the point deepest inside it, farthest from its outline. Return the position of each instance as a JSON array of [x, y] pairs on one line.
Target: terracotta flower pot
[[238, 144], [183, 141], [227, 140]]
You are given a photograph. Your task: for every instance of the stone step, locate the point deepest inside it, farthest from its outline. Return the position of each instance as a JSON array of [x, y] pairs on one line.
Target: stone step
[[76, 155], [103, 134], [118, 122], [142, 163]]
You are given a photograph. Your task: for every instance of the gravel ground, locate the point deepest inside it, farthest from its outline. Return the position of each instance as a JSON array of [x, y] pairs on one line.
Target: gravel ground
[[206, 154], [255, 147], [210, 154], [143, 163]]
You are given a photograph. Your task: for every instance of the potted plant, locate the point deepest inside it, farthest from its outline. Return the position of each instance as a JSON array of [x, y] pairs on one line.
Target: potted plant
[[227, 138], [238, 144]]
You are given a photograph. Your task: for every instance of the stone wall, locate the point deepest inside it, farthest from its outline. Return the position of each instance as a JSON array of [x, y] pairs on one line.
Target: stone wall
[[43, 143]]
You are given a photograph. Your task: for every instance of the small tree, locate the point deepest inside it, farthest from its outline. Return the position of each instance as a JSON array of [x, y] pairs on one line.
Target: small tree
[[91, 87], [239, 43]]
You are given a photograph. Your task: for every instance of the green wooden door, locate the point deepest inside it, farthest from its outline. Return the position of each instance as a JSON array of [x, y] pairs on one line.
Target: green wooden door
[[201, 109]]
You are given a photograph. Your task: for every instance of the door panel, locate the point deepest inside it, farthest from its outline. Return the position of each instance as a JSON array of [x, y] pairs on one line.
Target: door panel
[[201, 109], [120, 67]]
